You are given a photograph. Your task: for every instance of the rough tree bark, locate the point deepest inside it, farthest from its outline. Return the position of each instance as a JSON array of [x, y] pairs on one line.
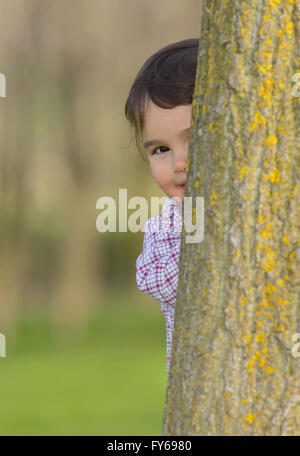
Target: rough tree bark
[[232, 369]]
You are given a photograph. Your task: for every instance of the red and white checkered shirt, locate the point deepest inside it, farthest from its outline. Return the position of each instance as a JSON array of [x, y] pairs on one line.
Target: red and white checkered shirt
[[158, 265]]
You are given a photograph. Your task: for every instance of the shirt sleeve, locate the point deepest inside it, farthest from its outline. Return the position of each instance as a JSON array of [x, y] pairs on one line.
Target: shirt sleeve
[[157, 267]]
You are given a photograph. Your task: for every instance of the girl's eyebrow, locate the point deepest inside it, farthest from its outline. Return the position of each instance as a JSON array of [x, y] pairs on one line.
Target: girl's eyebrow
[[156, 141]]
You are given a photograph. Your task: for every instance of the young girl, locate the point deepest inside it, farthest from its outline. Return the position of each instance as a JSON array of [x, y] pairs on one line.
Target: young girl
[[159, 108]]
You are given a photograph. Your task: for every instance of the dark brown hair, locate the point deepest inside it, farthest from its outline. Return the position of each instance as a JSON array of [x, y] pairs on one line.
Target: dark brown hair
[[167, 78]]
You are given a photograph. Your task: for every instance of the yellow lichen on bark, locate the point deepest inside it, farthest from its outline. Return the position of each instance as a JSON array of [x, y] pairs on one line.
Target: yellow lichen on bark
[[232, 371]]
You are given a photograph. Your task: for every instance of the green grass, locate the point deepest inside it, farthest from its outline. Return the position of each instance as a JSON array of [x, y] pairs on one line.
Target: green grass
[[111, 381]]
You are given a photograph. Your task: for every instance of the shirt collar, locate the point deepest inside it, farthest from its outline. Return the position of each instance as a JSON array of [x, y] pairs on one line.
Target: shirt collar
[[172, 208]]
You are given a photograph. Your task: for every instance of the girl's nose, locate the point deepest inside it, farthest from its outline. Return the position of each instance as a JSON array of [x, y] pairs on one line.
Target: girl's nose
[[180, 160]]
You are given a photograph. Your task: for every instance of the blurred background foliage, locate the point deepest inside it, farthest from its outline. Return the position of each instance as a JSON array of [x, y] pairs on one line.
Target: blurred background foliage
[[65, 287]]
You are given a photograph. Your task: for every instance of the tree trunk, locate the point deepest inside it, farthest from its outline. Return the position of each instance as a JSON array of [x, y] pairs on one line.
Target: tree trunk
[[232, 369]]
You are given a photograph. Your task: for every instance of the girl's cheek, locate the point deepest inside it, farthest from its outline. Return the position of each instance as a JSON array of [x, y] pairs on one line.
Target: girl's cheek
[[161, 173], [157, 170], [162, 176]]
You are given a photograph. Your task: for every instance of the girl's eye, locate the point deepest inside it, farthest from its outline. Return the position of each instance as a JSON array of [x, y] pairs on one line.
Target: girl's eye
[[160, 147]]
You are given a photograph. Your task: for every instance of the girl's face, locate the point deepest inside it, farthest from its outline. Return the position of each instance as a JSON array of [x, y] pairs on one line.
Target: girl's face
[[166, 140]]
